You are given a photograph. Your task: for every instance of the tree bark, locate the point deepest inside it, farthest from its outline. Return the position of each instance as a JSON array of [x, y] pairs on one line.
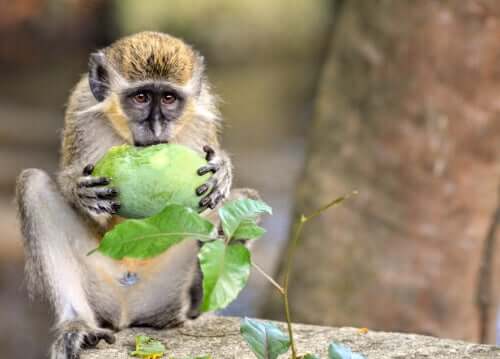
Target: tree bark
[[408, 114]]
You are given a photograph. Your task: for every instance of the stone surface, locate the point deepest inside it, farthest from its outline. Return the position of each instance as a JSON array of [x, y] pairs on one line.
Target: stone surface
[[219, 337]]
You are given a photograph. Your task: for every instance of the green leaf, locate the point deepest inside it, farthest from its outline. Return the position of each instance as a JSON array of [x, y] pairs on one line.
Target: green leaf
[[225, 273], [310, 356], [248, 229], [235, 212], [265, 340], [337, 351], [150, 237], [146, 347]]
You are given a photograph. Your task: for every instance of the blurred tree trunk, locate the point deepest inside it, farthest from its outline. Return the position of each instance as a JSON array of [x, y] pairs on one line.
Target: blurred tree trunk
[[408, 113]]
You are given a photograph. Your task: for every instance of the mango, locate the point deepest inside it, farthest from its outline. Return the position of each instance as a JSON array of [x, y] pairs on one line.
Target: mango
[[150, 178]]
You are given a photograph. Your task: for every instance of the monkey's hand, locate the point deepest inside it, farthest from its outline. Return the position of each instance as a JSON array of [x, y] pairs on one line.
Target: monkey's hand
[[94, 196], [73, 336], [217, 188]]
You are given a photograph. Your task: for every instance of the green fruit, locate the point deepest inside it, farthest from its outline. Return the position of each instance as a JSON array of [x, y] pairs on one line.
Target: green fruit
[[150, 178]]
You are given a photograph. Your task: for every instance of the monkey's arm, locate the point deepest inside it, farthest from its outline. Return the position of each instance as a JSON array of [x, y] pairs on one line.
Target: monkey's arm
[[217, 188]]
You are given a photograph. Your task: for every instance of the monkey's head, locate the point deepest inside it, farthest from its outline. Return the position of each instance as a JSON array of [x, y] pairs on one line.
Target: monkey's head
[[148, 85]]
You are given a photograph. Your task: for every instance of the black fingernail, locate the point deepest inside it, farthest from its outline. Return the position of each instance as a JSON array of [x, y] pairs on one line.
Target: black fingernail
[[109, 338], [204, 201], [108, 193], [116, 207], [104, 181], [111, 192], [87, 171], [205, 169], [212, 205], [92, 339], [209, 151], [202, 189], [201, 171]]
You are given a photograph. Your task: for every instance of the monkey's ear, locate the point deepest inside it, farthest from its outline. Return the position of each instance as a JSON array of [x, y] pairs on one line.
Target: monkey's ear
[[98, 76]]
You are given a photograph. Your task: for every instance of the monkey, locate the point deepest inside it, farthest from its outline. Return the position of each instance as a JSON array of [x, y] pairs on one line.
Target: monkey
[[143, 89]]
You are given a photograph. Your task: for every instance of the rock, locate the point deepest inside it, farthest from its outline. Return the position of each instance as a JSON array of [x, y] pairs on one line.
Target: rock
[[219, 337]]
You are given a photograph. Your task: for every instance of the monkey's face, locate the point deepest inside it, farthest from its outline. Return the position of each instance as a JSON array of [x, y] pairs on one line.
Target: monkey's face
[[147, 83], [152, 111]]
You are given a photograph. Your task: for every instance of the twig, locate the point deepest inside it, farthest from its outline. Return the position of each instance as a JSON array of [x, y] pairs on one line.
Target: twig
[[291, 253], [269, 278], [484, 290]]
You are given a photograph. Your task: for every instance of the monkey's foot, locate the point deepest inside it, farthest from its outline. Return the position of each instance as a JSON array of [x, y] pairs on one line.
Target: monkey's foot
[[77, 335]]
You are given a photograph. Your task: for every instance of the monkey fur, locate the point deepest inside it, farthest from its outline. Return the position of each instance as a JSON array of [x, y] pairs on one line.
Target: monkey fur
[[144, 89]]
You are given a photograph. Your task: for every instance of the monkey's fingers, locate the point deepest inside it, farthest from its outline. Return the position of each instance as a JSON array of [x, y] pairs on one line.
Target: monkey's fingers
[[91, 339], [203, 188], [211, 167], [87, 171], [206, 189], [210, 153], [212, 199], [93, 181], [111, 207], [205, 202], [216, 198], [107, 336], [105, 193]]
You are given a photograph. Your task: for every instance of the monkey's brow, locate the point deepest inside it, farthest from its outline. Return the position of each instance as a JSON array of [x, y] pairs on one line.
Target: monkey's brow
[[153, 87]]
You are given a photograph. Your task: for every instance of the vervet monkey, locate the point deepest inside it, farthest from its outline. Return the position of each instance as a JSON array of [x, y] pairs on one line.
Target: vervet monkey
[[144, 89]]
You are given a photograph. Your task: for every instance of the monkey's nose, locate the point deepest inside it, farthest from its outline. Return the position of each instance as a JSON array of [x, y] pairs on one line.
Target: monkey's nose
[[156, 127]]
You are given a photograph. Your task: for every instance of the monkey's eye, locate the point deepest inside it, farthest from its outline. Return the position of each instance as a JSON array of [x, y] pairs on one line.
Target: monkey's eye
[[168, 99], [141, 98]]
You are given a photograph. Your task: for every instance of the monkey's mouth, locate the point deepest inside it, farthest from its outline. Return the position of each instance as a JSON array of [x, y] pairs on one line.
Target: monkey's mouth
[[149, 143]]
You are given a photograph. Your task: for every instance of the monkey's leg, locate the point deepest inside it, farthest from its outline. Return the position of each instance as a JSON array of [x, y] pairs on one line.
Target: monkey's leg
[[53, 233]]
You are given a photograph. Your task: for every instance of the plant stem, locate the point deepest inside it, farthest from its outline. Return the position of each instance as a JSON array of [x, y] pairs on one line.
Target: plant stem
[[288, 267], [269, 278], [289, 261]]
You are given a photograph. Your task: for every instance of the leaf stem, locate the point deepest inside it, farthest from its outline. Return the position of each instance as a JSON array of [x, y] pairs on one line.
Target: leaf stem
[[289, 261], [288, 267], [333, 203], [269, 278]]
